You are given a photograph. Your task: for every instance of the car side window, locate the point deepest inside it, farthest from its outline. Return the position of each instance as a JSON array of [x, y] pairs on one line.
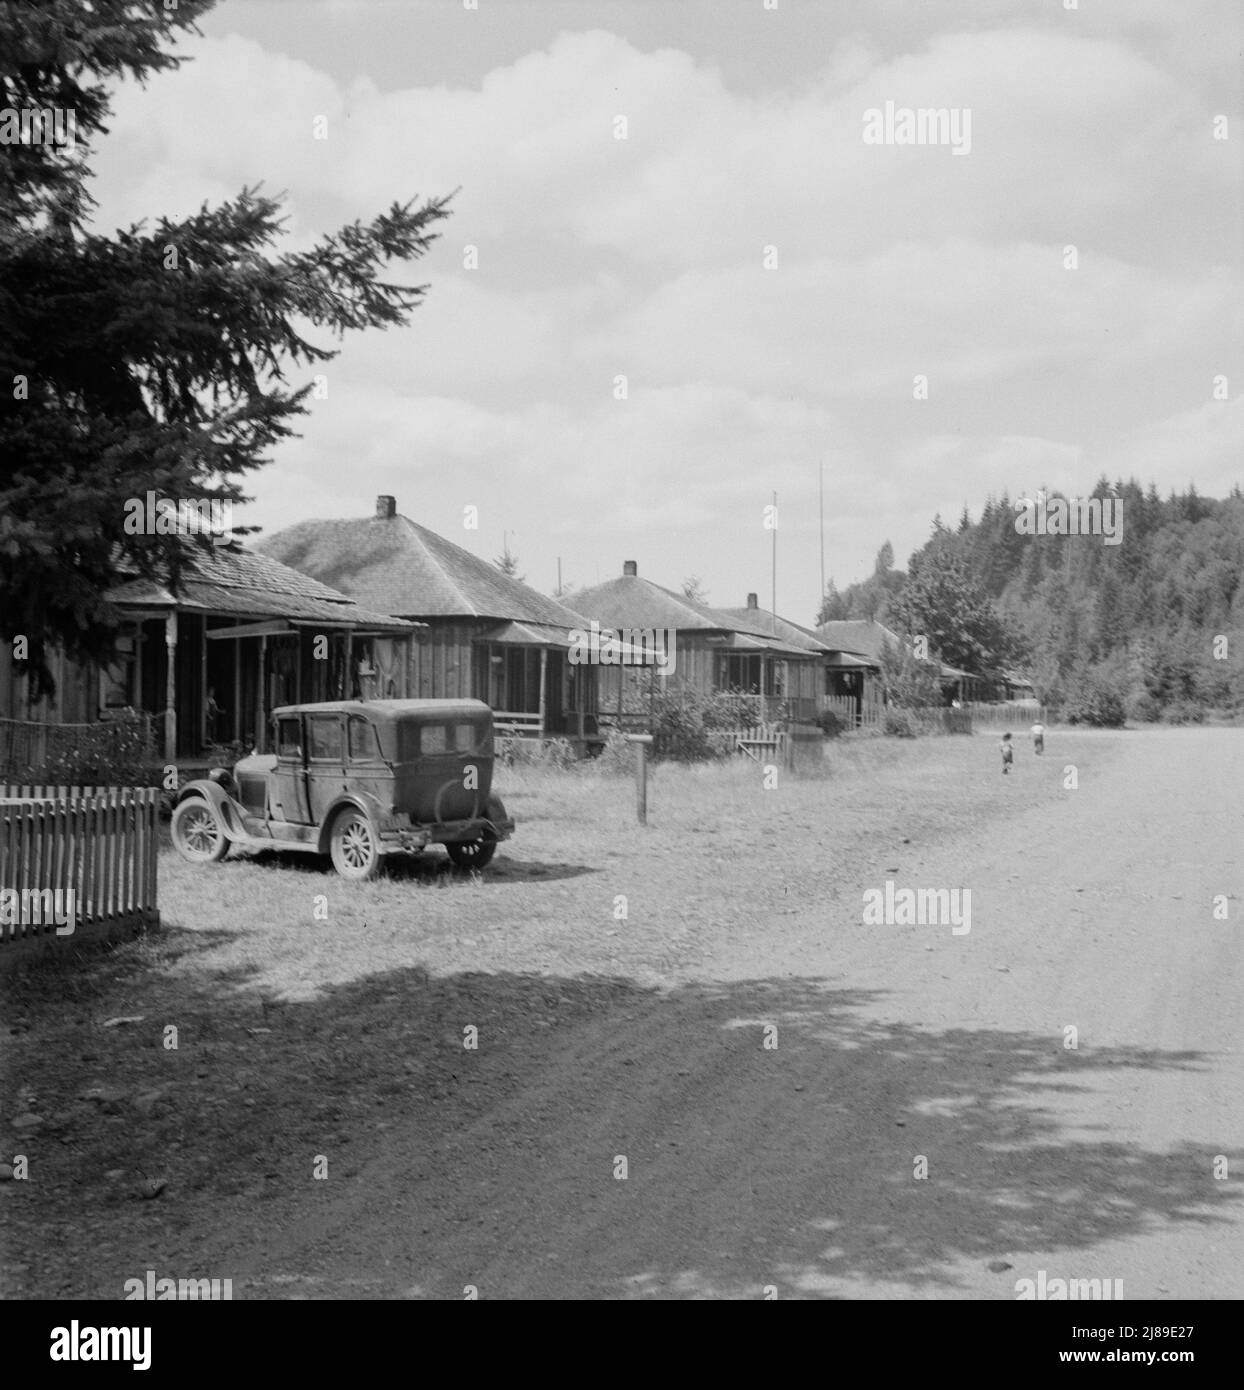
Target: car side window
[[289, 738], [433, 739], [324, 737], [467, 738], [364, 746]]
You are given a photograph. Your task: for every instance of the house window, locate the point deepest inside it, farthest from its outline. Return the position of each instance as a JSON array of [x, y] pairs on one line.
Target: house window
[[741, 672], [364, 746], [324, 737]]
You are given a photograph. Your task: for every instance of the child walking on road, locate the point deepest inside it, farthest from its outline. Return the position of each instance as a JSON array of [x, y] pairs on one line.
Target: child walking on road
[[1008, 753]]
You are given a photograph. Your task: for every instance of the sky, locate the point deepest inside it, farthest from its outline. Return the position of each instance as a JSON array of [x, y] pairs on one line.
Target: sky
[[772, 286]]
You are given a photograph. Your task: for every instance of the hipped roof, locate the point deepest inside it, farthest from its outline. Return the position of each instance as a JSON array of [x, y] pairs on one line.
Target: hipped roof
[[630, 601], [774, 625], [396, 566], [866, 638], [245, 585], [858, 635]]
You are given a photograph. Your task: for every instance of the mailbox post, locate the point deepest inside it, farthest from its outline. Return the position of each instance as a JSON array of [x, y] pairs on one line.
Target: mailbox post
[[642, 743]]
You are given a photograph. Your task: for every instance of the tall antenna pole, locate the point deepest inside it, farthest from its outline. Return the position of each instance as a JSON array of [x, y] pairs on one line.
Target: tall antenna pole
[[822, 530], [773, 584]]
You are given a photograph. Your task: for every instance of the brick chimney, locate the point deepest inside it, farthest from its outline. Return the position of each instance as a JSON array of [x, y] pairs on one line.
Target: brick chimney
[[630, 568], [386, 508], [752, 601]]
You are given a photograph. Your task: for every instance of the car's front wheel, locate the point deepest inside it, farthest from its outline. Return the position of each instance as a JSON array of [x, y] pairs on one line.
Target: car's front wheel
[[197, 834], [354, 846]]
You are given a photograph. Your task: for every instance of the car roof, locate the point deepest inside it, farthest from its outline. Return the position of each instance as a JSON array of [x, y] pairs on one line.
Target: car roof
[[392, 711]]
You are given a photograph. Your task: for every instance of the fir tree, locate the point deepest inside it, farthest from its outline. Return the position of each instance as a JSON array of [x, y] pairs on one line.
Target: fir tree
[[155, 359]]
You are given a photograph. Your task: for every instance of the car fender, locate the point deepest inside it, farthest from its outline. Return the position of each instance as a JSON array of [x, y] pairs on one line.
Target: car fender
[[228, 812]]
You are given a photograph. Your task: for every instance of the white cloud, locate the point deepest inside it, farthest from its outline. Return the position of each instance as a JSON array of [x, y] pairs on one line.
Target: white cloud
[[643, 256]]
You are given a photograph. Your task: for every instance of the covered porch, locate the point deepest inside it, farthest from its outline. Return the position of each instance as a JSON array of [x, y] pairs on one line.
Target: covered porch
[[533, 688], [209, 678]]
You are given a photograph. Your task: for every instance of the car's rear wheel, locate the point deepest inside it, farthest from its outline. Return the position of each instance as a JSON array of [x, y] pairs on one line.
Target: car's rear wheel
[[197, 834], [473, 854], [354, 846]]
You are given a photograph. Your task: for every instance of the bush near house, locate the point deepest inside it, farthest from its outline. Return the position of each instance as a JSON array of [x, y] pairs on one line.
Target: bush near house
[[683, 719], [899, 724], [114, 753], [832, 724]]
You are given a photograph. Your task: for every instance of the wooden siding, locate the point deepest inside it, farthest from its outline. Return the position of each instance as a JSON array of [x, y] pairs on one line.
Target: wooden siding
[[77, 694], [441, 660]]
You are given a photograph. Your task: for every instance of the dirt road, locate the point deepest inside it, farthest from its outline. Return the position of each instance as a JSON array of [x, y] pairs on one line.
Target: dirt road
[[793, 1167], [735, 1086]]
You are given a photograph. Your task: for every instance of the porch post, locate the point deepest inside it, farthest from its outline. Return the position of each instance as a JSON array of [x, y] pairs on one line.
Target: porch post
[[170, 688], [544, 675], [137, 691], [236, 644], [349, 662], [261, 693], [203, 683]]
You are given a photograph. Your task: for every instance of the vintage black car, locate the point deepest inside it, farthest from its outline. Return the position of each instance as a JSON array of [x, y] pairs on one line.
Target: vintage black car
[[357, 779]]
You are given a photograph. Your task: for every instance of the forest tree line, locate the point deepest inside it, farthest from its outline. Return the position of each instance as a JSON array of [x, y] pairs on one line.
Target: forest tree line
[[1149, 628]]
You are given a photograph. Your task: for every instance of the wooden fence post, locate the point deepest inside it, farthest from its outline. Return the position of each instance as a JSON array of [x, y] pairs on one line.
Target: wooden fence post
[[642, 743]]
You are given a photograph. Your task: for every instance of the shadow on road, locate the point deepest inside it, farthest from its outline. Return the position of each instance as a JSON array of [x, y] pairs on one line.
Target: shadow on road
[[790, 1165]]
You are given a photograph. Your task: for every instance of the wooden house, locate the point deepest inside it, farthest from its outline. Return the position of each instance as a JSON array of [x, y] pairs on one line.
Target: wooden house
[[853, 666], [733, 652], [241, 635], [482, 635]]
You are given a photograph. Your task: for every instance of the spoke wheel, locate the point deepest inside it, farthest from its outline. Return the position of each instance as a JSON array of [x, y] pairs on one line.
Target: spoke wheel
[[196, 832], [473, 854], [354, 846]]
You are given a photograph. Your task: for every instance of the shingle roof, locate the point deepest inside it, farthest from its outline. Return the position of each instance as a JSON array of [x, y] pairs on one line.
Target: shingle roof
[[630, 601], [396, 566], [865, 638], [775, 625], [248, 585], [858, 635]]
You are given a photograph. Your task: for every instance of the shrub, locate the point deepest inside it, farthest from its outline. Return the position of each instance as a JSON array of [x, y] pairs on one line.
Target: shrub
[[617, 757], [1183, 712], [679, 731], [899, 724], [226, 755], [832, 724], [534, 752], [1095, 702], [1143, 708], [112, 753]]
